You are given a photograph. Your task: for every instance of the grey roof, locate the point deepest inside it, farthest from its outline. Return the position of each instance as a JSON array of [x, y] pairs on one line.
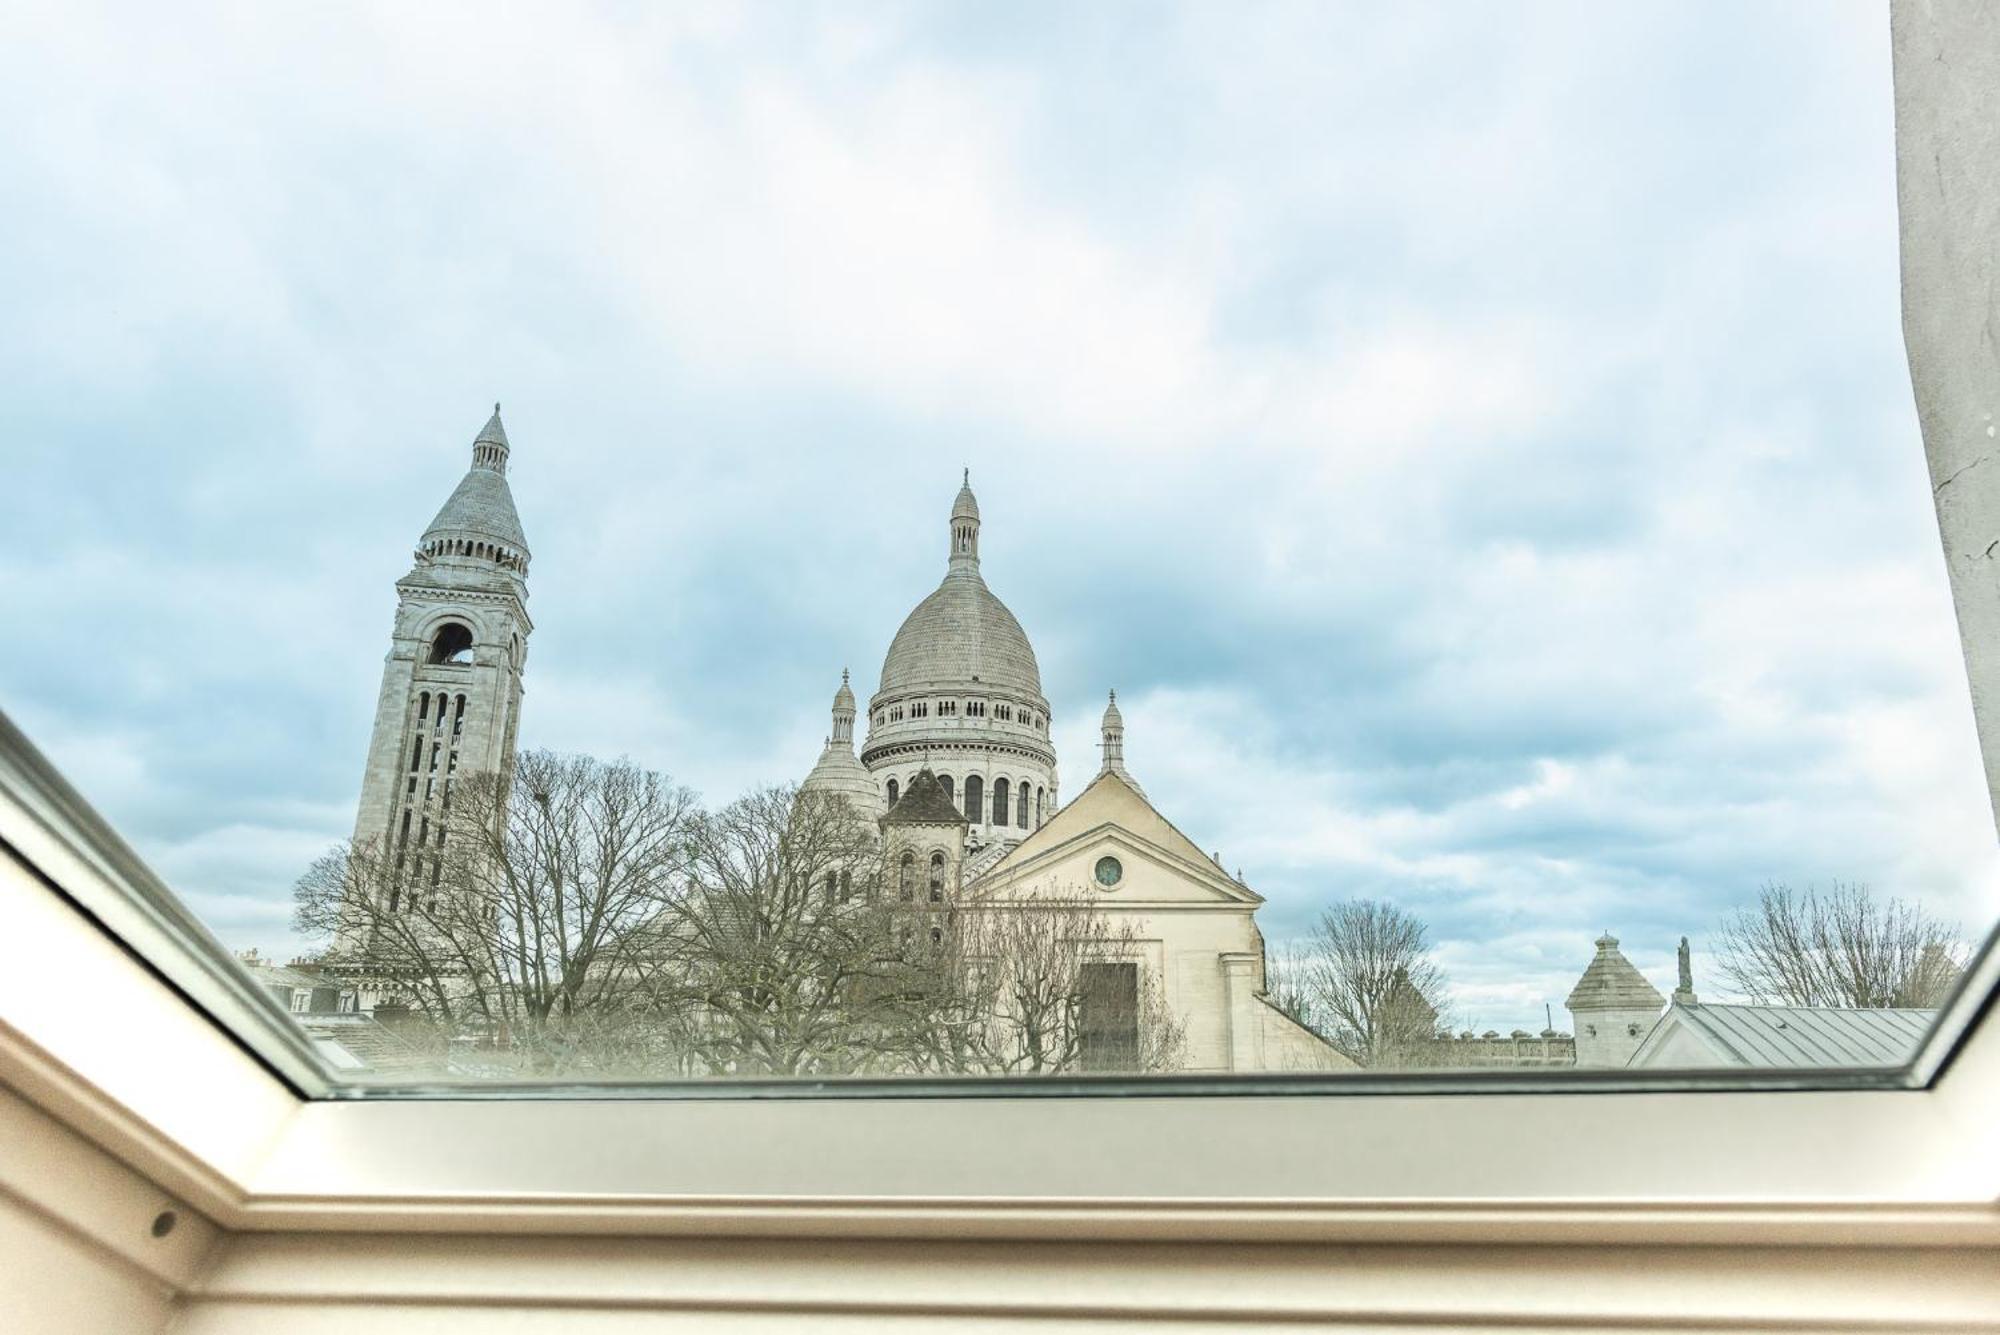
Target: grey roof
[[1611, 983], [278, 975], [1809, 1035], [839, 772], [482, 505], [492, 433], [924, 803], [959, 635]]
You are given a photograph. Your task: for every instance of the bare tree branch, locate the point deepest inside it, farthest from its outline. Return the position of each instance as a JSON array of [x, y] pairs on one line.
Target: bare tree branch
[[1841, 948]]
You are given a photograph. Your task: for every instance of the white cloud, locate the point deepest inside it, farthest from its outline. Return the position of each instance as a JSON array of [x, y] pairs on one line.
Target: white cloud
[[1485, 466]]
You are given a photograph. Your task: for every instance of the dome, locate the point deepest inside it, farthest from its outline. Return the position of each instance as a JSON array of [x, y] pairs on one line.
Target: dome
[[965, 505], [959, 635], [840, 773]]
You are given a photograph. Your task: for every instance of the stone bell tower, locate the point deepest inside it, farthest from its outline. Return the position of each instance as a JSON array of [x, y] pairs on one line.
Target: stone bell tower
[[450, 704], [923, 854]]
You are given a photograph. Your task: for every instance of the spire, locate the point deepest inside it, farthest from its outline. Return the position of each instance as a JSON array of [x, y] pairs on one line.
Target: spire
[[965, 528], [1114, 744], [478, 520], [843, 714], [489, 447], [1114, 737]]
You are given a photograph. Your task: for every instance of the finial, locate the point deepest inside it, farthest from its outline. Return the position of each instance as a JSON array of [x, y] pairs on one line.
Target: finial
[[1114, 696], [966, 480], [843, 676], [496, 405]]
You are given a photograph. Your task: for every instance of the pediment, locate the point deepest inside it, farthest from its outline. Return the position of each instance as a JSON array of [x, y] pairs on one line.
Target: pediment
[[1158, 864]]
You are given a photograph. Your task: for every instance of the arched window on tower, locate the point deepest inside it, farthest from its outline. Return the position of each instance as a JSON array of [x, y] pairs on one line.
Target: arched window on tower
[[937, 878], [1041, 805], [907, 878], [451, 644], [999, 801], [944, 782], [893, 791], [975, 792], [1021, 806]]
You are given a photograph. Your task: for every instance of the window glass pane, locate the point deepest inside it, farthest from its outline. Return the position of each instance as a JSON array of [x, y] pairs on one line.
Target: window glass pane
[[1213, 541]]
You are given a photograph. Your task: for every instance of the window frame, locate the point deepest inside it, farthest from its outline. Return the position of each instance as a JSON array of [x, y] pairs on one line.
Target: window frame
[[236, 1111], [182, 1068]]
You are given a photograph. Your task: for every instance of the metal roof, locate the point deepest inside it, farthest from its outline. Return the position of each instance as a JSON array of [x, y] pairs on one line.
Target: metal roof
[[1809, 1035]]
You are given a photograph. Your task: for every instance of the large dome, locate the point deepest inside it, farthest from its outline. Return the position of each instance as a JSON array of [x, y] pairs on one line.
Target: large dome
[[959, 635]]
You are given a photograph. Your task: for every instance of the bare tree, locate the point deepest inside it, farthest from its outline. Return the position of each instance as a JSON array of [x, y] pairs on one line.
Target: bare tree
[[1841, 948], [534, 930], [1364, 978], [1046, 984], [1286, 974], [781, 954]]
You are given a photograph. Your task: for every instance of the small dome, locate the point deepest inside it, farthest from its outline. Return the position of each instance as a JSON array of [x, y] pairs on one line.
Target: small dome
[[841, 774], [843, 699], [966, 506], [493, 433], [1112, 718]]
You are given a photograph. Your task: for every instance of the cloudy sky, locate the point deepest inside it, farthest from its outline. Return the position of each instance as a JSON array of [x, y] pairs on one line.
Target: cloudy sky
[[1476, 443]]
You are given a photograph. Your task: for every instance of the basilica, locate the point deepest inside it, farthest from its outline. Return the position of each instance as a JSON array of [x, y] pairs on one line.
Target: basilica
[[960, 708], [957, 755], [957, 770]]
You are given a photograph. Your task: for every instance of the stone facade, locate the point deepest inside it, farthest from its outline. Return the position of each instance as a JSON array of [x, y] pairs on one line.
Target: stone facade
[[1614, 1007], [960, 711], [1193, 926], [450, 700]]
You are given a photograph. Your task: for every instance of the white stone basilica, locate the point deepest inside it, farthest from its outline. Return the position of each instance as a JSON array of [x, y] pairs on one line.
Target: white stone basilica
[[960, 701], [961, 697], [961, 694]]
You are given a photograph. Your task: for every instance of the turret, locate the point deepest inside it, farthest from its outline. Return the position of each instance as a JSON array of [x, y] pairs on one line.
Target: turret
[[923, 847], [965, 527], [839, 771], [1113, 744], [1614, 1007], [843, 714]]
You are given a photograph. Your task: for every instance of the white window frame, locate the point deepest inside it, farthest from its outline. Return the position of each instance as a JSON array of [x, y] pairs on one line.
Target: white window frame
[[113, 1025]]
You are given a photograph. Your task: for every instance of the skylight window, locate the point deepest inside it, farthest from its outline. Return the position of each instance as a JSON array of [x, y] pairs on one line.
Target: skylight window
[[1408, 562]]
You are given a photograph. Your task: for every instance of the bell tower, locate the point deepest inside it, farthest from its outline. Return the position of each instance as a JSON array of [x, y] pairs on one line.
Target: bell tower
[[450, 703]]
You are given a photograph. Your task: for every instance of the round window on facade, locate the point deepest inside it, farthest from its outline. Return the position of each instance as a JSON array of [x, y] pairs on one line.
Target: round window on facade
[[1109, 872]]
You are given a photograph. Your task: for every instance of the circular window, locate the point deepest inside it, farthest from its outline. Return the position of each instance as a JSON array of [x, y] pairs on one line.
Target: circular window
[[1109, 872]]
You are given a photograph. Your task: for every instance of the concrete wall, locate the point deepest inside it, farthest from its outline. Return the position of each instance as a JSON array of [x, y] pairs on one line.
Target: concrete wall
[[1609, 1038], [1947, 64], [53, 1282]]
